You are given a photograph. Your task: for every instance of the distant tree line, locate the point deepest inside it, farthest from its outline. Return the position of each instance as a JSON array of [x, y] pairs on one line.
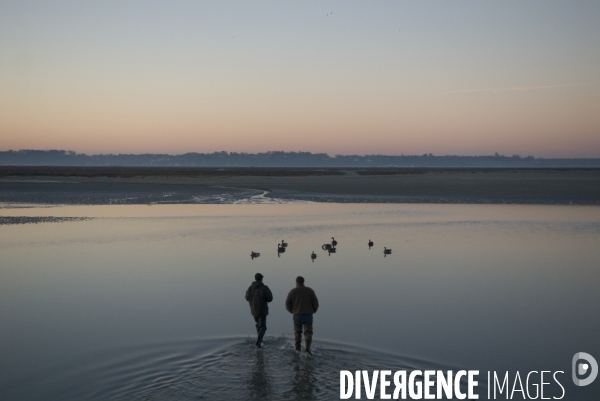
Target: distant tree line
[[278, 159]]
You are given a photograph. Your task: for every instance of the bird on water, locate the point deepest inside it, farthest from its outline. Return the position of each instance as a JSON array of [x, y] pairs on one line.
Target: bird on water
[[280, 249]]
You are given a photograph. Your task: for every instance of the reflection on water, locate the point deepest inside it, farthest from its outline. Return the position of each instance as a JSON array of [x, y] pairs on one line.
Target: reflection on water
[[224, 369], [303, 382], [97, 308], [259, 379]]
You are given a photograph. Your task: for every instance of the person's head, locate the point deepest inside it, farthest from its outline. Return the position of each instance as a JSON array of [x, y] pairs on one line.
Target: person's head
[[258, 277], [299, 280]]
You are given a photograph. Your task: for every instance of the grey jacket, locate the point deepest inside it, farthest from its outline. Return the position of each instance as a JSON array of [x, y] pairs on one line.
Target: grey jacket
[[258, 295]]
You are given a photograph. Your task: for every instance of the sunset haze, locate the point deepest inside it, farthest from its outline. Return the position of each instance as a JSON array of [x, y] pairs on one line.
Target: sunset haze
[[464, 78]]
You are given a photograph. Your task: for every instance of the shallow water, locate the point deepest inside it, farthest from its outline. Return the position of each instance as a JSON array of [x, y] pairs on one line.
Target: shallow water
[[19, 193], [146, 302], [214, 369]]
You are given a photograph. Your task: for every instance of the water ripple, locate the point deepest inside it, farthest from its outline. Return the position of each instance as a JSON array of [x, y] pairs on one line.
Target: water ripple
[[224, 369]]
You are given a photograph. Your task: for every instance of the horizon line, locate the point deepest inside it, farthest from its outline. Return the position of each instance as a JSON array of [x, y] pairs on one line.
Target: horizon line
[[428, 154]]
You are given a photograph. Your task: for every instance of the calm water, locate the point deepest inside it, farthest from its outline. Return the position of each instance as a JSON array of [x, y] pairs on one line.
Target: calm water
[[147, 302]]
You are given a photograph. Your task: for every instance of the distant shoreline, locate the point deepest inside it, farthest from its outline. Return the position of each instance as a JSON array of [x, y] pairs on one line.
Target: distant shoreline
[[175, 171], [32, 157], [54, 185]]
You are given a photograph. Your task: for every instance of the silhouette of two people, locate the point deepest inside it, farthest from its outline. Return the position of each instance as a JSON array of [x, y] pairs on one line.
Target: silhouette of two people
[[301, 302]]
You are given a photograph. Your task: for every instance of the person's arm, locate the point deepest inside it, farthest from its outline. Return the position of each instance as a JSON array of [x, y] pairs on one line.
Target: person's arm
[[268, 294], [248, 294], [288, 303], [315, 301]]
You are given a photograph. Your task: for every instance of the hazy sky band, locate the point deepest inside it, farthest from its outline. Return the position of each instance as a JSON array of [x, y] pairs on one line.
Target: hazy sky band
[[337, 77]]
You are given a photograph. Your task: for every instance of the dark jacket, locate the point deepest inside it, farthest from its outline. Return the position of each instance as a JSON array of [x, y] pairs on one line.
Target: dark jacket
[[301, 300], [257, 296]]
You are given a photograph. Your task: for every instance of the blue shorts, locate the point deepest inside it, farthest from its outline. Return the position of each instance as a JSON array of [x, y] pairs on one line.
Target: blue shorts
[[306, 318]]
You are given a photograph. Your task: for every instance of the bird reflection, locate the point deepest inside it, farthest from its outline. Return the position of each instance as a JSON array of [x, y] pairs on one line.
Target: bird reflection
[[254, 255], [313, 256], [331, 250], [280, 250], [386, 251], [370, 244]]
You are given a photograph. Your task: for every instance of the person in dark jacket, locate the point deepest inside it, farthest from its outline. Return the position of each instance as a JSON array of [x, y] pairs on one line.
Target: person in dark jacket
[[302, 303], [258, 296]]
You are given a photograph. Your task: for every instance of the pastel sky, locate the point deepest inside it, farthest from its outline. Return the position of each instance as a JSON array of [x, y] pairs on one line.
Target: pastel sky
[[342, 77]]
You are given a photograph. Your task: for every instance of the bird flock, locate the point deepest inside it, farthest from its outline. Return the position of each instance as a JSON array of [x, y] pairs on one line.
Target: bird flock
[[329, 247]]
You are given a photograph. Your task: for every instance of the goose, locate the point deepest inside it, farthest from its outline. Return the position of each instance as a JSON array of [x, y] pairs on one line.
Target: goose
[[387, 251], [280, 249], [313, 256], [284, 244], [333, 241], [325, 247], [370, 244]]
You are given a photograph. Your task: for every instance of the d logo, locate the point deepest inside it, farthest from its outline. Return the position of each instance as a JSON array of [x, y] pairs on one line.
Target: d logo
[[583, 368]]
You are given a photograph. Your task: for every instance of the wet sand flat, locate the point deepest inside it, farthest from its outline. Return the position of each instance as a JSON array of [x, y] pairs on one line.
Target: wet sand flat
[[524, 186], [453, 187]]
